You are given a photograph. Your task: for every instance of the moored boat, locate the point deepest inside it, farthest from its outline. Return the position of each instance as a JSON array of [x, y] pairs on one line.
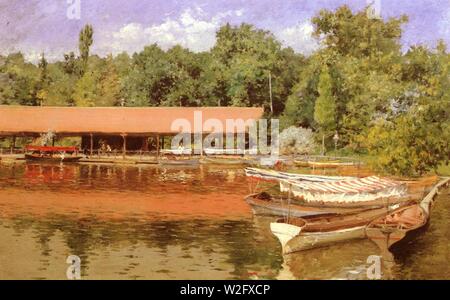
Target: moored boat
[[275, 176], [296, 234], [180, 151], [226, 160], [179, 162], [402, 224], [266, 205], [326, 164], [292, 238], [52, 154], [368, 191], [330, 164]]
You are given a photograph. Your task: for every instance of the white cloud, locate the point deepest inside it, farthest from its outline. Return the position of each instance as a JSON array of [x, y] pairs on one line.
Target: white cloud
[[299, 37], [191, 29], [34, 54]]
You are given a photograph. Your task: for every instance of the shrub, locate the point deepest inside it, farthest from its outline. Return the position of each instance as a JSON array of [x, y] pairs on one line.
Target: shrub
[[297, 140], [408, 146]]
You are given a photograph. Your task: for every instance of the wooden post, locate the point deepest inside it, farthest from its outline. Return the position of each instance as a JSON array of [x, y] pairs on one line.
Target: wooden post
[[162, 142], [323, 144], [201, 146], [270, 92], [157, 146], [145, 144], [124, 150], [13, 144], [92, 145]]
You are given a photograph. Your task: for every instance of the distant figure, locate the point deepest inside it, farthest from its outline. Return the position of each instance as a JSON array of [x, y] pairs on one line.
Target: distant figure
[[108, 149]]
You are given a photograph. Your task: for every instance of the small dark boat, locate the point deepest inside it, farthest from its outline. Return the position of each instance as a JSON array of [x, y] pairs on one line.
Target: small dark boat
[[179, 162], [52, 154], [46, 158], [402, 224], [226, 160], [264, 204], [327, 164]]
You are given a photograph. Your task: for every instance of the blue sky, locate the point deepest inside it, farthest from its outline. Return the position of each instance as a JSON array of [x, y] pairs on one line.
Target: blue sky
[[34, 26]]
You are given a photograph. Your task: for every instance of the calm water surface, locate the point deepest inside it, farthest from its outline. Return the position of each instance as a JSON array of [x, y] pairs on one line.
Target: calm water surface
[[172, 223]]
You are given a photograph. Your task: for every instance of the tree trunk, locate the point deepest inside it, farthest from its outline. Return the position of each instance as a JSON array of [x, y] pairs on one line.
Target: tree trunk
[[323, 144]]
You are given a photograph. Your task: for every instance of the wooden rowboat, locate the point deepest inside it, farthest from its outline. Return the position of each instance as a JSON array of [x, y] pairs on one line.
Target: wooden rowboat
[[330, 164], [226, 160], [265, 205], [402, 224], [292, 238], [297, 234], [324, 164], [179, 162]]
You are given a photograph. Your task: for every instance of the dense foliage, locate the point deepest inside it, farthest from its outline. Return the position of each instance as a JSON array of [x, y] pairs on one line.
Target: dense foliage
[[380, 99]]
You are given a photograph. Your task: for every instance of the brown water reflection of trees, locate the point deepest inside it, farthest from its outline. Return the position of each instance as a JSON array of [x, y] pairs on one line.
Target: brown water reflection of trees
[[239, 240]]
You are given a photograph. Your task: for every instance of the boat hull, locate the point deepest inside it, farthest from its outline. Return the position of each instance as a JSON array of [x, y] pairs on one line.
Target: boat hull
[[272, 208], [393, 235], [225, 161], [180, 162], [292, 238], [56, 159], [324, 165]]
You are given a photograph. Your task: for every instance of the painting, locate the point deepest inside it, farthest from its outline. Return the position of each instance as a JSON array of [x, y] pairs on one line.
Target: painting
[[225, 139]]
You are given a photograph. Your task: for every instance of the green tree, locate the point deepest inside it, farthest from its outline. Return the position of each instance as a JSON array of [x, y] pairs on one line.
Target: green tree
[[243, 59], [185, 71], [108, 86], [87, 88], [356, 34], [149, 80], [325, 107], [61, 88], [44, 81], [299, 108], [85, 43], [18, 80], [411, 145]]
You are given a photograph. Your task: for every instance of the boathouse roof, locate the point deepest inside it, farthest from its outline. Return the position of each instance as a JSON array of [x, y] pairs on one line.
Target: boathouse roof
[[23, 120]]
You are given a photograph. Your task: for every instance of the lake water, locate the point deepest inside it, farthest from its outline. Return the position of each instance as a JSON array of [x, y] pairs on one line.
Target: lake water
[[130, 222]]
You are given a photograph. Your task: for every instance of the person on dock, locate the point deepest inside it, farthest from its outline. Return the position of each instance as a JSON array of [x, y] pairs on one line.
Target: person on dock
[[108, 149]]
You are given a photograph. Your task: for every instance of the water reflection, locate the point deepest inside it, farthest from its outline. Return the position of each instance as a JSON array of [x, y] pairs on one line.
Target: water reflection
[[171, 223]]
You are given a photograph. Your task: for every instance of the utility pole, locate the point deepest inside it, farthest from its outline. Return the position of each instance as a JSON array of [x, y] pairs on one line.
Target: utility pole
[[270, 91]]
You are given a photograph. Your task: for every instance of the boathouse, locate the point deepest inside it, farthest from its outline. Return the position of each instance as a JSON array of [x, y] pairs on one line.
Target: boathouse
[[125, 128]]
